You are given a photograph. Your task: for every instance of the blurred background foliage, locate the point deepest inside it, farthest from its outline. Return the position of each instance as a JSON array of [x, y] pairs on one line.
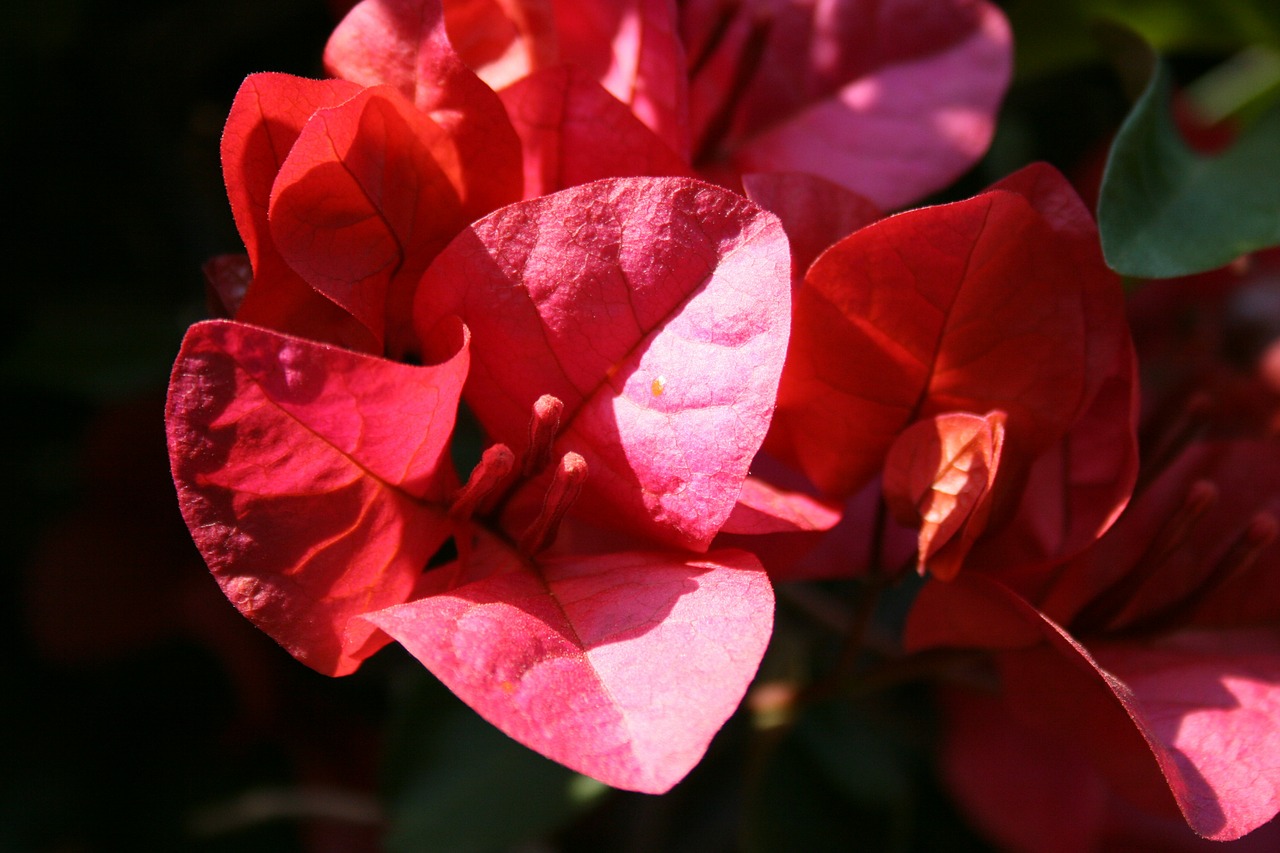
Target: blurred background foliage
[[140, 712]]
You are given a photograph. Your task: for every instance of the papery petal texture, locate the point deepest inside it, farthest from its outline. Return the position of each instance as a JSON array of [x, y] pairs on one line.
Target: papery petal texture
[[403, 43], [815, 212], [1212, 700], [364, 201], [620, 666], [972, 306], [267, 115], [1203, 702], [939, 476], [307, 476], [656, 310]]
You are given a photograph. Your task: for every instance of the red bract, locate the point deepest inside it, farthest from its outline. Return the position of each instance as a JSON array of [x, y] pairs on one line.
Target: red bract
[[306, 474], [266, 118], [574, 132], [644, 323], [632, 49], [938, 477], [891, 100], [343, 194], [1154, 656], [949, 313], [626, 338], [403, 43]]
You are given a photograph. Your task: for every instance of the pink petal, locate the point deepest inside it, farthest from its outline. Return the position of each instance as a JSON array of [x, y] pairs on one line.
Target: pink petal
[[302, 471], [890, 99], [1212, 701], [763, 508], [1204, 705], [656, 310], [622, 666], [633, 49]]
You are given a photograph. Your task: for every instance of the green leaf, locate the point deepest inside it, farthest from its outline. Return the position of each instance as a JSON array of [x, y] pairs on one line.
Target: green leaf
[[1165, 210], [1052, 36], [458, 785]]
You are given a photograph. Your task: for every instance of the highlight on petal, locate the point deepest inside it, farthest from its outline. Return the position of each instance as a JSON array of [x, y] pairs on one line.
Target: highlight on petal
[[308, 477], [1181, 724], [656, 309], [1212, 701], [620, 666], [633, 49], [889, 99], [763, 508], [938, 476], [500, 40], [575, 132]]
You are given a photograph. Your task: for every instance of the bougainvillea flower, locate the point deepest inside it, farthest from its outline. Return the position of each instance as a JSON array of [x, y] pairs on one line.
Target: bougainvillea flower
[[576, 121], [625, 337], [632, 49], [1154, 656], [343, 190], [890, 100], [947, 313], [306, 474], [938, 476], [655, 314]]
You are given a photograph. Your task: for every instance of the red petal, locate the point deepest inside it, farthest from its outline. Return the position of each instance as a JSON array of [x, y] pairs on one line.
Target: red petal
[[502, 40], [973, 306], [633, 50], [1164, 557], [763, 508], [622, 667], [302, 471], [1074, 492], [815, 212], [363, 203], [403, 43], [1195, 715], [574, 132], [266, 117], [656, 310]]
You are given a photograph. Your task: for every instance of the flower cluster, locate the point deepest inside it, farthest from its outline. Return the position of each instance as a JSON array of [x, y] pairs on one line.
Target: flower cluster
[[644, 244]]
